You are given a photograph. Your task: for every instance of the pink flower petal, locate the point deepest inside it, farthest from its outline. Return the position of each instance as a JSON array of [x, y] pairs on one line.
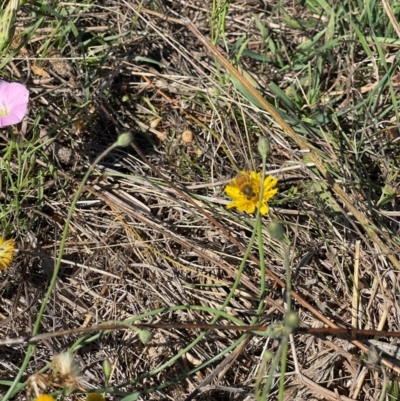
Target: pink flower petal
[[14, 97]]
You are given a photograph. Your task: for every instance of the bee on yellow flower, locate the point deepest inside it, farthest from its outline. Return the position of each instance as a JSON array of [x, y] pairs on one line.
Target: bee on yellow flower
[[245, 191], [6, 253]]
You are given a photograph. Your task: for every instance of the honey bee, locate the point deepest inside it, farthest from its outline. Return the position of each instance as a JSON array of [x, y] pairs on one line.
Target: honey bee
[[246, 186]]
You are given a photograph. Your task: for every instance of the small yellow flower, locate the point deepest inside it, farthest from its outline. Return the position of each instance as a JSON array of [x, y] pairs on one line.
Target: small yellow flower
[[45, 397], [6, 253], [95, 397], [245, 191]]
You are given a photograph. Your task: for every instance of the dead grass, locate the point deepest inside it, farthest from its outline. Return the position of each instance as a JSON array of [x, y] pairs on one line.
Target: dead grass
[[150, 234]]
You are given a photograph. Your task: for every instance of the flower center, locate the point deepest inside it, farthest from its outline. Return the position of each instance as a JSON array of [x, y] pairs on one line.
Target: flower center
[[3, 110]]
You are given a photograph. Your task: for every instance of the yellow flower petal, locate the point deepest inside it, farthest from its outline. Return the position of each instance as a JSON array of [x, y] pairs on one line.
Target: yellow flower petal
[[248, 207], [231, 205], [269, 182], [6, 253], [264, 209], [45, 397], [232, 192]]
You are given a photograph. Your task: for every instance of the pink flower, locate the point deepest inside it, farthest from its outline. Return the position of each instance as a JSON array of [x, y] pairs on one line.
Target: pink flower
[[14, 99]]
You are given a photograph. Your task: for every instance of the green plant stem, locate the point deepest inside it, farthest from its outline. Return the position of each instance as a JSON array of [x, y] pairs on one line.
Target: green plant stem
[[46, 298], [78, 344], [259, 237], [271, 371], [284, 346], [285, 340], [288, 290]]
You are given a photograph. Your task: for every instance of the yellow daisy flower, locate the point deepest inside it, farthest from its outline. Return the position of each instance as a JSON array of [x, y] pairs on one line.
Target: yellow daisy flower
[[245, 191], [45, 397], [95, 397], [6, 253]]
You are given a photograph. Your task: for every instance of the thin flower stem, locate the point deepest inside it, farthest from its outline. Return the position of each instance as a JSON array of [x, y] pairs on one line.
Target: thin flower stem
[[274, 365], [288, 290], [284, 346], [131, 321], [259, 377], [259, 236], [46, 298], [64, 236], [384, 385], [262, 278], [285, 340]]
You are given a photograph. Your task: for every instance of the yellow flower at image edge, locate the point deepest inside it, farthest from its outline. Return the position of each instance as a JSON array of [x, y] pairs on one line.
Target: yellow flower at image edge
[[45, 397], [95, 397], [245, 191], [6, 253]]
